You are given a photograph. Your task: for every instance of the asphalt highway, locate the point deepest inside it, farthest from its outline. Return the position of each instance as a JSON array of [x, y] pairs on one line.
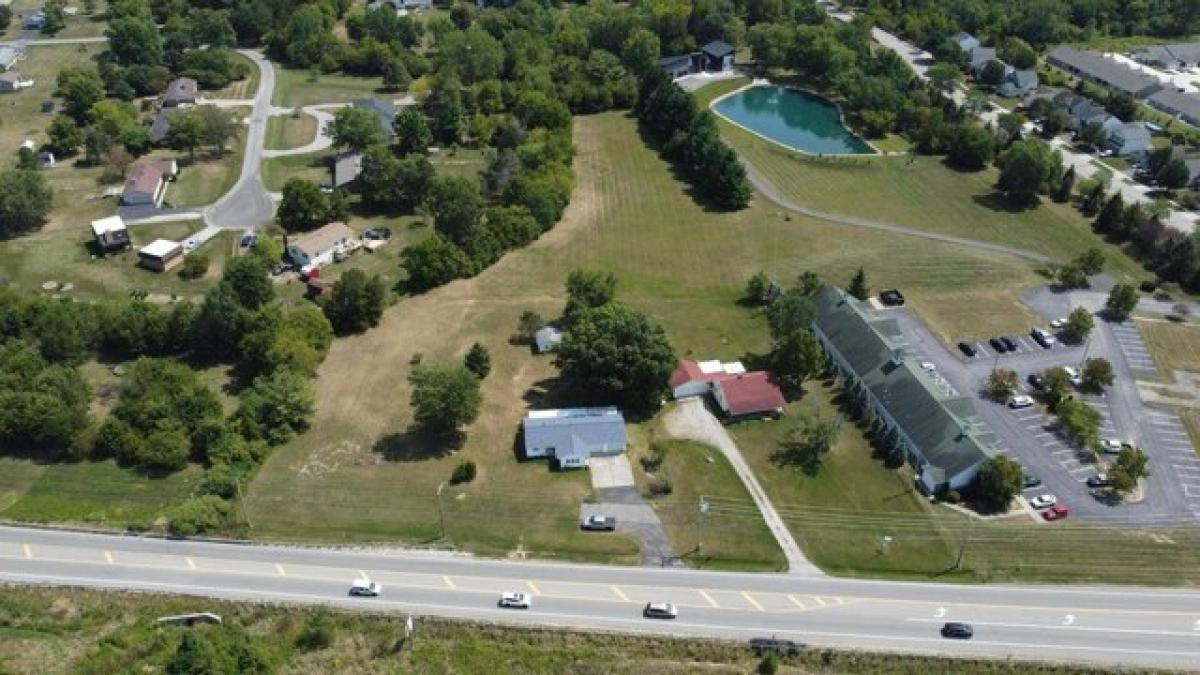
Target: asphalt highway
[[1103, 625]]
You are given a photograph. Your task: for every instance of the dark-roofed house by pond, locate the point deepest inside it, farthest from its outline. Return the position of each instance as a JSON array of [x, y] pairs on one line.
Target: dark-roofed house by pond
[[929, 425], [571, 436]]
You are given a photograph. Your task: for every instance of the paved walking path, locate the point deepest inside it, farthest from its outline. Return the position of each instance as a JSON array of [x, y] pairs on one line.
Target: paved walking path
[[768, 190], [690, 419]]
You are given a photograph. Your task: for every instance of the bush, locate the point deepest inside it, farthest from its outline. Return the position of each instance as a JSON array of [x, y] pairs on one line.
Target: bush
[[463, 473], [769, 665], [220, 481], [198, 515], [194, 266], [318, 633], [658, 453], [661, 488], [1148, 286]]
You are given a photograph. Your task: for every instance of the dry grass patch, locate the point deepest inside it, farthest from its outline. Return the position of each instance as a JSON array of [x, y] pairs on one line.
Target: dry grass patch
[[1174, 346]]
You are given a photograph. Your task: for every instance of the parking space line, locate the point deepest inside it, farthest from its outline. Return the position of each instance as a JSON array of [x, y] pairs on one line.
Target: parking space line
[[190, 563], [620, 594], [27, 551], [796, 602], [449, 581], [280, 570], [533, 587], [750, 599], [108, 557]]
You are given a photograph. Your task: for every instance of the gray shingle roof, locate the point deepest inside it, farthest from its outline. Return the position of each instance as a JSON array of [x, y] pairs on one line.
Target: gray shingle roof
[[1177, 103], [1106, 71], [384, 109], [576, 432]]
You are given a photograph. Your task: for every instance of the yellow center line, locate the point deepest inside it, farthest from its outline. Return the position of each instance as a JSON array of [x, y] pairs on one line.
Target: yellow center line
[[449, 581], [279, 568], [108, 557], [796, 602], [620, 593], [28, 551], [708, 597], [750, 599], [191, 563], [533, 587]]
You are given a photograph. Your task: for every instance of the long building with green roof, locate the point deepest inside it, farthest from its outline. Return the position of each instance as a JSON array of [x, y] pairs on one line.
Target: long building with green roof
[[925, 420]]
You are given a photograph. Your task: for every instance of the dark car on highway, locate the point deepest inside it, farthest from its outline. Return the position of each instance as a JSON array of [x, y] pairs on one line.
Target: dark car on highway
[[955, 629], [967, 349], [764, 646], [998, 345]]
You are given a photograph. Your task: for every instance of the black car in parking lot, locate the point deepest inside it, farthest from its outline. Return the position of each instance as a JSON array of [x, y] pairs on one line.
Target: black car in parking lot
[[967, 349], [1036, 381], [1031, 481], [998, 345], [1010, 343]]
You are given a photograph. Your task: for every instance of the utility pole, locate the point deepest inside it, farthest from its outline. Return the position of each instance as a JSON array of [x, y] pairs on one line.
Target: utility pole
[[441, 513], [700, 524], [962, 544], [242, 502]]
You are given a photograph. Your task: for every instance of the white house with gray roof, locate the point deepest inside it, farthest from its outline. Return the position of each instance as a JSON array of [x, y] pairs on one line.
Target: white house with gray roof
[[571, 436]]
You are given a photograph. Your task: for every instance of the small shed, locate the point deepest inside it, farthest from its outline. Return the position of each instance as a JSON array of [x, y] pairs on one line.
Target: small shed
[[571, 436], [111, 234], [14, 81], [547, 338], [161, 255]]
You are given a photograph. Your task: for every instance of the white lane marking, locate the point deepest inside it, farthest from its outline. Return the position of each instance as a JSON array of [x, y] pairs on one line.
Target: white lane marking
[[449, 582], [108, 557], [280, 570], [620, 593], [940, 613], [750, 599], [190, 563], [801, 606], [708, 598], [533, 587], [1068, 619], [28, 551], [191, 589]]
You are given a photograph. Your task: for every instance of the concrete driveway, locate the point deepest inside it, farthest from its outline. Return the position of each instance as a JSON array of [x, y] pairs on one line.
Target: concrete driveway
[[611, 472], [636, 518]]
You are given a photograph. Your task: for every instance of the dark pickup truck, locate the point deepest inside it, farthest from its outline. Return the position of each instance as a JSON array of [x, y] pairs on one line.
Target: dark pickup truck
[[599, 523]]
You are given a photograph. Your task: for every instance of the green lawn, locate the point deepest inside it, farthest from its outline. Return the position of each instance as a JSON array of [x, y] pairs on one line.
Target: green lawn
[[80, 25], [357, 475], [732, 535], [922, 192], [301, 87], [203, 181], [290, 131], [314, 167]]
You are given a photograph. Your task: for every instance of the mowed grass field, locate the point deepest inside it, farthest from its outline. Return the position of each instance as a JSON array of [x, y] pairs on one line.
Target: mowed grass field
[[1174, 346], [732, 534], [301, 87], [290, 131], [921, 192], [357, 475]]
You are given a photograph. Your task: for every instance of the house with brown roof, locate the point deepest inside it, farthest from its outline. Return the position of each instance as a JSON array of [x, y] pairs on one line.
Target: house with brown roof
[[319, 247], [754, 394], [147, 183], [181, 91], [695, 378]]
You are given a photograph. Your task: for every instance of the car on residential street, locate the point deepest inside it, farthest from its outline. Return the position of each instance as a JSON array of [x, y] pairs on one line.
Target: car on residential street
[[1057, 512], [1043, 501], [1043, 338], [1036, 381], [515, 600], [660, 610], [599, 523], [958, 630], [1020, 401], [1031, 481], [998, 345], [967, 349], [365, 588], [764, 646], [1098, 481]]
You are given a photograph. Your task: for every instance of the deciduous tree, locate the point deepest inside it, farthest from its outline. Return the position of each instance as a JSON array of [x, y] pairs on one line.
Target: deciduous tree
[[445, 397]]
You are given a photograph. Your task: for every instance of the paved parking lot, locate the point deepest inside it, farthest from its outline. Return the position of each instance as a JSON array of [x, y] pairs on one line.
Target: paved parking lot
[[1031, 437]]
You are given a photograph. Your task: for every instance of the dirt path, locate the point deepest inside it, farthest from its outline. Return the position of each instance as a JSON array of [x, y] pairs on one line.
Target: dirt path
[[691, 420]]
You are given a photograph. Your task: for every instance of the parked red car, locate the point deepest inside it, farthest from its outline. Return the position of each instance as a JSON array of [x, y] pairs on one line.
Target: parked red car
[[1057, 512]]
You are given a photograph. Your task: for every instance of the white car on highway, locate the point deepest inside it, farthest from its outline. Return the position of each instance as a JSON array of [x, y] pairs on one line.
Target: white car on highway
[[660, 610], [1043, 501], [365, 588], [515, 600]]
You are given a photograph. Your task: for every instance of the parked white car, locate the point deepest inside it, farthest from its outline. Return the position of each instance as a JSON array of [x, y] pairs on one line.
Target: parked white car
[[1058, 323], [515, 600], [928, 366], [1043, 501], [1111, 446], [1076, 379], [1020, 401]]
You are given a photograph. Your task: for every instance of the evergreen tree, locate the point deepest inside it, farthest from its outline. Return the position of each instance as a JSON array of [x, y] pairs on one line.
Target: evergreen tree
[[858, 285], [1109, 220], [478, 361], [1066, 186]]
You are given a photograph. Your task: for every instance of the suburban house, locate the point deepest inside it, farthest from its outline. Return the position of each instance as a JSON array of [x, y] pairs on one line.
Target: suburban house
[[111, 234], [571, 436], [1177, 104], [161, 126], [384, 109], [677, 66], [547, 339], [11, 80], [695, 378], [346, 168], [1082, 111], [1172, 57], [748, 395], [931, 426], [181, 91], [9, 57], [980, 57], [1103, 71], [1191, 161], [400, 5], [718, 56], [1129, 140], [318, 247], [1018, 83], [966, 42], [161, 255], [35, 21], [147, 183]]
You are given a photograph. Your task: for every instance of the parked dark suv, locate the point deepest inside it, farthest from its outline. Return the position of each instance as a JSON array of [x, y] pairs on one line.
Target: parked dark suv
[[967, 349], [1009, 342], [955, 629], [891, 298], [998, 345]]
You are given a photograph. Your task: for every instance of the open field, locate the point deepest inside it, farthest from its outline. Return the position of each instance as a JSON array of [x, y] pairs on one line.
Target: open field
[[79, 25], [1191, 421], [1174, 346], [50, 631], [300, 87], [357, 475], [921, 192], [290, 131], [731, 537]]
